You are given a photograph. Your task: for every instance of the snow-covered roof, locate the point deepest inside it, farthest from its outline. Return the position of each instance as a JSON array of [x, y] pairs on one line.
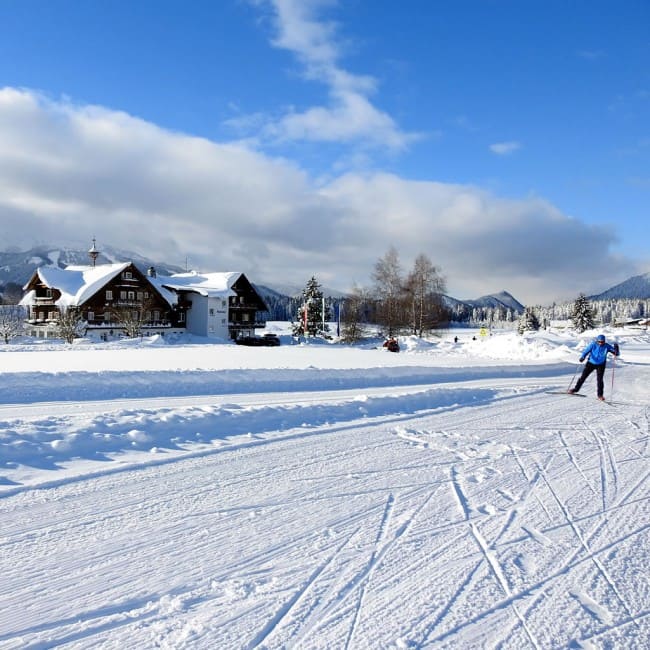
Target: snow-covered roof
[[211, 285], [78, 283]]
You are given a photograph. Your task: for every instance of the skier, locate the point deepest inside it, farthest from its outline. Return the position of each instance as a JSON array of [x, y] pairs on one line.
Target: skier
[[597, 352]]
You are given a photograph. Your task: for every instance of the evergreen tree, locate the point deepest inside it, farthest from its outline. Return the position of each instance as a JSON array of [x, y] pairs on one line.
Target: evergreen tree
[[582, 315], [528, 321], [310, 312]]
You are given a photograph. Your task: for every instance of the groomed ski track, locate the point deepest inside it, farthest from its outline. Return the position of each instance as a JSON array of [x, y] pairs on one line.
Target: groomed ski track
[[461, 516]]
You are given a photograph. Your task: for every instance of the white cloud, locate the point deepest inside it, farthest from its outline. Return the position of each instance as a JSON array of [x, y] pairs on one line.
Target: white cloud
[[68, 173], [349, 115], [505, 148]]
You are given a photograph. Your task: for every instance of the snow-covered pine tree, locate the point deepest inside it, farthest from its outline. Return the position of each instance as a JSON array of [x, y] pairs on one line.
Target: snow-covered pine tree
[[582, 315], [528, 321], [312, 304]]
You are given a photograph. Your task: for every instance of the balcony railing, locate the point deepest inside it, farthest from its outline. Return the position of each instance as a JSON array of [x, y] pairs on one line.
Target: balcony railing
[[247, 324]]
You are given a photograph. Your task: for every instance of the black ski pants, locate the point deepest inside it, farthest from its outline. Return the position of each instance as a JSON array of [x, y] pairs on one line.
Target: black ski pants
[[600, 374]]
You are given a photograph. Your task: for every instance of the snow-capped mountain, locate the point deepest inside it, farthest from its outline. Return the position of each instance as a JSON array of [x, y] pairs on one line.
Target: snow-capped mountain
[[503, 300], [637, 286], [18, 267]]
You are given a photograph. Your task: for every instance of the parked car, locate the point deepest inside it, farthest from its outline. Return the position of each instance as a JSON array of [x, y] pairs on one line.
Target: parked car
[[249, 340], [266, 340]]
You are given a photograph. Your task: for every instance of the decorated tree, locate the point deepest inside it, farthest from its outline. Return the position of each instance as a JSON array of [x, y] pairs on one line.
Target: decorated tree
[[310, 313]]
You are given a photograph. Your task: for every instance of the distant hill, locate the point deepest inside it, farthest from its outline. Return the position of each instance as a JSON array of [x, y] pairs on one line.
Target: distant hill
[[502, 300], [18, 267], [295, 291], [636, 287]]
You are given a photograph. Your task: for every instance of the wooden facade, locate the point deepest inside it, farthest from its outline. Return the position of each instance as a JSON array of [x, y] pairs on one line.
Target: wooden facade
[[244, 309], [114, 300], [127, 296]]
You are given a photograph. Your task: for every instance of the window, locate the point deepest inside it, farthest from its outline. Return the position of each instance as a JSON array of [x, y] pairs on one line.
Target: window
[[156, 315], [41, 315], [127, 275], [109, 294], [211, 311], [245, 318], [140, 296], [48, 293], [91, 316], [181, 317], [131, 295], [122, 295], [107, 316], [223, 304]]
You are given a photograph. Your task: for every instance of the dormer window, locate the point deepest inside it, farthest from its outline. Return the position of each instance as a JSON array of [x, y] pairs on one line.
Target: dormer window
[[127, 275]]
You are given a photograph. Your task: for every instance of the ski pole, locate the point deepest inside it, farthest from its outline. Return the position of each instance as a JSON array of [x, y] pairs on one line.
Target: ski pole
[[613, 366], [573, 378]]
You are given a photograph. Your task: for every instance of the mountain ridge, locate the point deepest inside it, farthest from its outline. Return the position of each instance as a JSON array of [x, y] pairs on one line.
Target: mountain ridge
[[17, 267], [638, 286]]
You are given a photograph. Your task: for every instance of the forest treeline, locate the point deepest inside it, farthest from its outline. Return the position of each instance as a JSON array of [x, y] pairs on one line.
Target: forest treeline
[[414, 302]]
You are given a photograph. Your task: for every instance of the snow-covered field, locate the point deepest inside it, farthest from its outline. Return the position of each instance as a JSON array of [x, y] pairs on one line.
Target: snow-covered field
[[160, 494]]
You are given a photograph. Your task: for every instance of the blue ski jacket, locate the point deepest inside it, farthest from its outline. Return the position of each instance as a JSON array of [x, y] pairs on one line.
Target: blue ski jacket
[[598, 353]]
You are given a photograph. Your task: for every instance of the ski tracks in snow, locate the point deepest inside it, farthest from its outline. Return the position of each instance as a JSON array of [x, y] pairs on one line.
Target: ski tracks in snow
[[514, 523]]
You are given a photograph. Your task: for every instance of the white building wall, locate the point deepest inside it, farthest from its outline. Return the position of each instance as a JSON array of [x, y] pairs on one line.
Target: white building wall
[[197, 315], [218, 318], [208, 316]]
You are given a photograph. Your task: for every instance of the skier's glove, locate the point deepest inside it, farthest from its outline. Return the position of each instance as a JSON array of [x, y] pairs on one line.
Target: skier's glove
[[616, 349], [582, 359]]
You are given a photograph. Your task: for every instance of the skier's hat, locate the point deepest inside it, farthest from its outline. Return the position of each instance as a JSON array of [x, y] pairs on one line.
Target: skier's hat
[[600, 337]]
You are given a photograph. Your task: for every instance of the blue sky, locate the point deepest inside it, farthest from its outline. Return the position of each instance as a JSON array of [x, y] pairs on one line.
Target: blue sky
[[509, 141]]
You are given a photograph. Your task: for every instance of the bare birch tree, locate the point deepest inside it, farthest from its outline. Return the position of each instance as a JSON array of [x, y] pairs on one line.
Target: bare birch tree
[[425, 287], [388, 292], [12, 321], [133, 318], [352, 317], [70, 324]]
